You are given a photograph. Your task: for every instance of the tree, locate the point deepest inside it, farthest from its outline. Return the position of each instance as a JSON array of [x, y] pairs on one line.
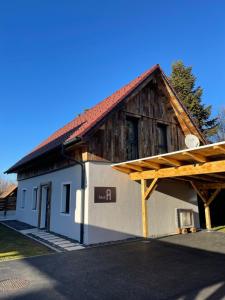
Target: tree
[[220, 134], [184, 83], [4, 185]]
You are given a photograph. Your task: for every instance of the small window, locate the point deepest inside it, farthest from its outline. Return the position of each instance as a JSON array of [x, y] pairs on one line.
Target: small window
[[23, 199], [35, 198], [132, 138], [162, 139], [66, 198]]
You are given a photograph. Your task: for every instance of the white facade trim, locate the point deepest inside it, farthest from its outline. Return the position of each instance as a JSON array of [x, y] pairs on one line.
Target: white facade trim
[[35, 188], [61, 209], [23, 198]]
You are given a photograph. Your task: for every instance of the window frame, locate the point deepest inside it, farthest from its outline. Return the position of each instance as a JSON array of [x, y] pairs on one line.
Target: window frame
[[34, 188], [23, 199], [62, 211], [163, 125], [136, 120]]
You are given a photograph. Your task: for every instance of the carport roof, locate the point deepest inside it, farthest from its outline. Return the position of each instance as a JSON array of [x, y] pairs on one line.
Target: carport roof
[[204, 165]]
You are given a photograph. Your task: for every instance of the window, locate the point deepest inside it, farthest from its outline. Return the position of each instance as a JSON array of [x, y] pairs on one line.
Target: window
[[65, 198], [132, 138], [35, 198], [23, 198], [162, 139]]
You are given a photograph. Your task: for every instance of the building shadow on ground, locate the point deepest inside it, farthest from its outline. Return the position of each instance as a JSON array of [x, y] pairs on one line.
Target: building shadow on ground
[[168, 268]]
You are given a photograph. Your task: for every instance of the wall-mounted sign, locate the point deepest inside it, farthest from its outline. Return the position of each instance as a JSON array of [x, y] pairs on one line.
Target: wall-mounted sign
[[105, 194]]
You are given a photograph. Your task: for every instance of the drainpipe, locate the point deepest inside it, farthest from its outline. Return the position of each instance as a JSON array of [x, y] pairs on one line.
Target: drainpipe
[[82, 165]]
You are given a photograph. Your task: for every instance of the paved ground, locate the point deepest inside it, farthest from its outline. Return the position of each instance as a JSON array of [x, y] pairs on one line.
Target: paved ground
[[17, 225], [169, 268], [52, 240], [60, 243]]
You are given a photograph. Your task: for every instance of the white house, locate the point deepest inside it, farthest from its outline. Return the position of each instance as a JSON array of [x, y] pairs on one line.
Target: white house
[[67, 184]]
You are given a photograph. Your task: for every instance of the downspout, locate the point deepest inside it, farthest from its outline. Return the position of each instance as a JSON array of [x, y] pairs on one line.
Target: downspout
[[82, 165]]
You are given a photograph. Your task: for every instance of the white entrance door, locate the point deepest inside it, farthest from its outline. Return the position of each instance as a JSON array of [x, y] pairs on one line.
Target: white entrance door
[[44, 196]]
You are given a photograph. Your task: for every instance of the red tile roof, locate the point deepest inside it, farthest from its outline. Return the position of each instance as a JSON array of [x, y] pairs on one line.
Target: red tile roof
[[79, 126]]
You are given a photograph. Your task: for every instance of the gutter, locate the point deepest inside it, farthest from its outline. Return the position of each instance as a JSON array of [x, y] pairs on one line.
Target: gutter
[[82, 165]]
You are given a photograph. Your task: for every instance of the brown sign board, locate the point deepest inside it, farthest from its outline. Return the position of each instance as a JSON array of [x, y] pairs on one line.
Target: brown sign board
[[104, 194]]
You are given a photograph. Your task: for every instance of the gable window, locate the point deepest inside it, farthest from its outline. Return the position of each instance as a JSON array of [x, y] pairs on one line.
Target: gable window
[[65, 207], [132, 138], [162, 138], [35, 198], [23, 198]]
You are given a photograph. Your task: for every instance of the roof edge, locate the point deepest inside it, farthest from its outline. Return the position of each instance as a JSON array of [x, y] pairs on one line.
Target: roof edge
[[184, 107]]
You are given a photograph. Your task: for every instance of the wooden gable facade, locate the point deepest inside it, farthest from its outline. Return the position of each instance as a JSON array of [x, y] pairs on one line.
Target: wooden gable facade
[[155, 123]]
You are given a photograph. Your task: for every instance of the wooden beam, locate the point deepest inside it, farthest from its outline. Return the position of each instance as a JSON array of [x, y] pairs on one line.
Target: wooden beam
[[211, 186], [219, 176], [144, 209], [151, 188], [184, 127], [150, 164], [213, 196], [186, 170], [202, 177], [171, 161], [196, 157], [220, 147], [122, 169], [185, 121], [134, 167]]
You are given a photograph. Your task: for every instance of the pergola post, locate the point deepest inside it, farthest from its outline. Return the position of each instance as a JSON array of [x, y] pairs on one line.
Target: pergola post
[[145, 194], [207, 217], [207, 209], [144, 209], [204, 195]]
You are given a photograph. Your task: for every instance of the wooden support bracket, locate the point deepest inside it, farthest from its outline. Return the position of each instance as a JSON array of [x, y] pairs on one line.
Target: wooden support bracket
[[207, 201], [151, 188], [213, 196], [199, 192]]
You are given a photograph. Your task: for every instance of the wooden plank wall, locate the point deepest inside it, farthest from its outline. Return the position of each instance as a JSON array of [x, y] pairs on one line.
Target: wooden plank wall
[[150, 106], [8, 204]]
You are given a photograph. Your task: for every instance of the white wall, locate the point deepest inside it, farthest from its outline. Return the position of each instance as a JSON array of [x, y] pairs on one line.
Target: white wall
[[163, 203], [111, 221], [10, 215], [107, 221], [68, 225], [120, 220]]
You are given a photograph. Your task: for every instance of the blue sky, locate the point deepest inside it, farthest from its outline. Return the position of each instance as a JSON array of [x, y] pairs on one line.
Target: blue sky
[[58, 58]]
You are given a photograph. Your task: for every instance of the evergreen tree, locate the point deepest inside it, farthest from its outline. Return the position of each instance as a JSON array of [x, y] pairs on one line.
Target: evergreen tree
[[220, 135], [184, 82]]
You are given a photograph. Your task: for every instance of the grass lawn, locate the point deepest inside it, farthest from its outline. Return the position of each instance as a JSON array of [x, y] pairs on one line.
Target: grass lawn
[[219, 228], [14, 245]]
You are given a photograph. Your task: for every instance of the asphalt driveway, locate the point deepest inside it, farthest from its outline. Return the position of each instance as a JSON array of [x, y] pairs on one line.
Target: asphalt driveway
[[176, 267]]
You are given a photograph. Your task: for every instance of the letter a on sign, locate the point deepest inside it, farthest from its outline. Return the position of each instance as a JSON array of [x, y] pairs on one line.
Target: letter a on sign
[[108, 195], [105, 194]]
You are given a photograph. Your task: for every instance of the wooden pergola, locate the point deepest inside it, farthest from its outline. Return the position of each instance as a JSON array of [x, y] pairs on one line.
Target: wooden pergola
[[203, 167]]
